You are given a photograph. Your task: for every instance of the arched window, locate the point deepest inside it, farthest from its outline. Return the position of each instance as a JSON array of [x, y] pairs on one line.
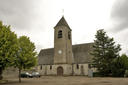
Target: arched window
[[50, 67], [77, 66], [60, 34], [69, 35], [41, 67]]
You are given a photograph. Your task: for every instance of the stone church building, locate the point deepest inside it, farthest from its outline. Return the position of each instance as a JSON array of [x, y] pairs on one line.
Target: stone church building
[[65, 58]]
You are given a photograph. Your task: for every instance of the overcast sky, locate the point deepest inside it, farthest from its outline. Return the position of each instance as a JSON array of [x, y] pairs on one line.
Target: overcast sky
[[37, 18]]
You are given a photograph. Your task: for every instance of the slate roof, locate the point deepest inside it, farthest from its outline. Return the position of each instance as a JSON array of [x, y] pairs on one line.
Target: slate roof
[[81, 53], [46, 56], [62, 22]]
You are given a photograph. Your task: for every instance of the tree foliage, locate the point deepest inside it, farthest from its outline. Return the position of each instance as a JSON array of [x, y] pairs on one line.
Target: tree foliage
[[26, 55], [104, 51], [119, 66], [8, 47], [15, 52]]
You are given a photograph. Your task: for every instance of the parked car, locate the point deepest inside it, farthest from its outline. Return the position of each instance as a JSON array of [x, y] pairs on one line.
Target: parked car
[[36, 74], [26, 75]]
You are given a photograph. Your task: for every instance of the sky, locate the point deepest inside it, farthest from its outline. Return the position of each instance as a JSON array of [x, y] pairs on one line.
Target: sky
[[37, 18]]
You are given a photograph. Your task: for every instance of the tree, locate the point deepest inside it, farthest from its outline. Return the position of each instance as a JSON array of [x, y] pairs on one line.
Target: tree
[[119, 66], [104, 51], [26, 55], [8, 47]]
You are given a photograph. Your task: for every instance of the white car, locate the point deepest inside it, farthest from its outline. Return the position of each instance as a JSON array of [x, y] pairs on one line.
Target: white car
[[35, 74]]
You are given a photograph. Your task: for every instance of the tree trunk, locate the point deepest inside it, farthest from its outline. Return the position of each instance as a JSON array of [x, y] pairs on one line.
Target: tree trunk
[[19, 75], [1, 71]]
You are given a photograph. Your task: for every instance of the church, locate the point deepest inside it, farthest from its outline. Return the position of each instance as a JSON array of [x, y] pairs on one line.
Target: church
[[65, 59]]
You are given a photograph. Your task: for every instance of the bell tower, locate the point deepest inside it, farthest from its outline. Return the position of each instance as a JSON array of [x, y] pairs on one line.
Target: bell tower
[[63, 43]]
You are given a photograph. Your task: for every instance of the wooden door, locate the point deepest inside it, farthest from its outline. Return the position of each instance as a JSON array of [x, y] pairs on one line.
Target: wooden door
[[60, 71]]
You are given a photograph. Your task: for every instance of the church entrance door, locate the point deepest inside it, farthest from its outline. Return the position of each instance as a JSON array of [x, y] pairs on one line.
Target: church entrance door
[[59, 71]]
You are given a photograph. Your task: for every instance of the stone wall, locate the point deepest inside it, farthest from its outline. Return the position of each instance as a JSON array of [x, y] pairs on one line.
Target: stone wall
[[75, 69], [80, 69], [52, 69], [42, 69], [10, 73]]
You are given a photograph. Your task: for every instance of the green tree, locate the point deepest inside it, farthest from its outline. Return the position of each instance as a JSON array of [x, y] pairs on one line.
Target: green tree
[[104, 51], [119, 66], [26, 55], [8, 47]]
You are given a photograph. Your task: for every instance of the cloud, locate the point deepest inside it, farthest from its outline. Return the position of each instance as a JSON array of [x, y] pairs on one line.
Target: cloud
[[36, 18], [119, 15], [21, 14], [25, 17]]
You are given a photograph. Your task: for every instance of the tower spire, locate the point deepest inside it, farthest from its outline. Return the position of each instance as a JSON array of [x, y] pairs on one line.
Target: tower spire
[[62, 22]]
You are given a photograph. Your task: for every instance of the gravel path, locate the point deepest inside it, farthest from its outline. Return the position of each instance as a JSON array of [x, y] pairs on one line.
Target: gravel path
[[70, 80]]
